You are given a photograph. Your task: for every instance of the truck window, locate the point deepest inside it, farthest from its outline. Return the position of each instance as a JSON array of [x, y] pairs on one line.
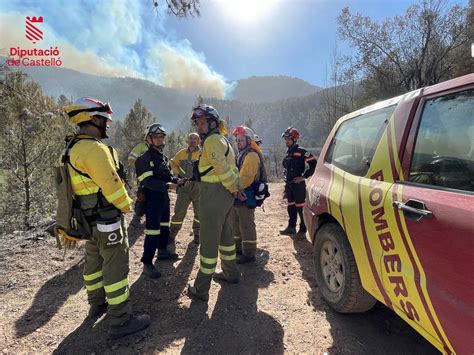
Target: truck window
[[354, 143], [444, 147]]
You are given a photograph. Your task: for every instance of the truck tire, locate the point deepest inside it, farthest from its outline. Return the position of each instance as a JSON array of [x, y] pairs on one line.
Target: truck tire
[[336, 272]]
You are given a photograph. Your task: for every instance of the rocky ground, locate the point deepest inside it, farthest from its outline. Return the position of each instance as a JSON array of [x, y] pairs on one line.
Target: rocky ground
[[276, 308]]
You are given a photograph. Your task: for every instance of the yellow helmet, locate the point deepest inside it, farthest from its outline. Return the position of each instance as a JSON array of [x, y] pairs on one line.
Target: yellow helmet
[[85, 108]]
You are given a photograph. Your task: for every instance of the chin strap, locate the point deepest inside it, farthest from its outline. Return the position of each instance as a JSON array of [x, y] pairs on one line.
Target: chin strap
[[103, 129]]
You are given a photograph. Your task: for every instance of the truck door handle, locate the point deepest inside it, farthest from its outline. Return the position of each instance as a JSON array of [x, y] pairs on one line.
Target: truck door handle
[[413, 209]]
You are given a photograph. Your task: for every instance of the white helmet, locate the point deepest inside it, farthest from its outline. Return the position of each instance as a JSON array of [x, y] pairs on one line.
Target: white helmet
[[154, 128], [85, 108]]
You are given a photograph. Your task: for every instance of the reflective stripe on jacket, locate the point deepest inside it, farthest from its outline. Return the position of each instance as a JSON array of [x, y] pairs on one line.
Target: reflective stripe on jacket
[[153, 172], [295, 162]]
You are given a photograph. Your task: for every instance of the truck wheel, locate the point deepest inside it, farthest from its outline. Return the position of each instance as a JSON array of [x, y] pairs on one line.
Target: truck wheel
[[336, 272]]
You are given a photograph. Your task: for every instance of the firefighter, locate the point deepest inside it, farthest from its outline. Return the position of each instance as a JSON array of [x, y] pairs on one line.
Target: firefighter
[[182, 166], [155, 178], [101, 194], [243, 214], [139, 209], [295, 172], [219, 185]]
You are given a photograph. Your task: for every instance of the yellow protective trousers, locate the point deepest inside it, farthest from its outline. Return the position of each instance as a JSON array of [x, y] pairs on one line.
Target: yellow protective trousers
[[215, 205], [106, 270], [186, 194]]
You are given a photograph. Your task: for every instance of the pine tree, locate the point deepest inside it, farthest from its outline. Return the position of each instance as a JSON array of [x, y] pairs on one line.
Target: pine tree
[[133, 127], [32, 127]]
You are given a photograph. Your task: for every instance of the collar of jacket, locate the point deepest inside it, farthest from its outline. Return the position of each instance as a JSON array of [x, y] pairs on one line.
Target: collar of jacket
[[292, 148], [154, 151], [242, 154], [195, 150], [210, 133], [82, 134], [248, 148]]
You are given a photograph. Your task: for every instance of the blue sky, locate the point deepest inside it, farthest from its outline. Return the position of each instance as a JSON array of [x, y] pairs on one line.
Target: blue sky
[[296, 39], [232, 39]]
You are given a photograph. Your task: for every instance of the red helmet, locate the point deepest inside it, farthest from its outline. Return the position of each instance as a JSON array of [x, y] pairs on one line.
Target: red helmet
[[290, 132], [244, 131]]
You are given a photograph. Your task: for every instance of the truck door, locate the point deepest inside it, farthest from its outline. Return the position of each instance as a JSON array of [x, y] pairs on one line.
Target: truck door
[[434, 210]]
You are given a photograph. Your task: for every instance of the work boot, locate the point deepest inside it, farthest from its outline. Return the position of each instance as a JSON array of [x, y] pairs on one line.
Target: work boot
[[301, 232], [150, 271], [133, 325], [96, 310], [164, 254], [171, 247], [220, 276], [288, 231], [243, 259], [136, 221], [192, 293]]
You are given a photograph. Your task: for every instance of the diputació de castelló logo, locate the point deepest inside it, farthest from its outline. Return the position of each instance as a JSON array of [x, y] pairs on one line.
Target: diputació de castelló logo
[[34, 57]]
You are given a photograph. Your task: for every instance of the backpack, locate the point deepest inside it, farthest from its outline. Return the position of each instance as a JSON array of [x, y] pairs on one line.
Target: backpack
[[260, 186], [257, 192], [71, 222]]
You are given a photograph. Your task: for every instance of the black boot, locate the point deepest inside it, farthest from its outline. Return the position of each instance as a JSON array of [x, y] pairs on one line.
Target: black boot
[[302, 231], [193, 293], [164, 254], [220, 276], [171, 246], [133, 325], [96, 310], [243, 259], [150, 271], [196, 238], [136, 221], [288, 231]]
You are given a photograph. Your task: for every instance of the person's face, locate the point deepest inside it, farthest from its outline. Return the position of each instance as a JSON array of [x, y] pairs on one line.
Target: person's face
[[289, 141], [241, 142], [101, 122], [156, 139], [202, 126], [193, 141]]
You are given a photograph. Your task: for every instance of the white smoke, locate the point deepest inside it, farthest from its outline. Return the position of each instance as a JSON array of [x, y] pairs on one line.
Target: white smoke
[[182, 68]]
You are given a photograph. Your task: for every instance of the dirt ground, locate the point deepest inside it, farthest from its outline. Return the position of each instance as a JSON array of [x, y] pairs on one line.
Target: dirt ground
[[276, 308]]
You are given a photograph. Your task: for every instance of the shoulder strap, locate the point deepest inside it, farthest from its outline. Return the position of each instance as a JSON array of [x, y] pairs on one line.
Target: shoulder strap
[[111, 150], [66, 158], [262, 171], [228, 147], [205, 172]]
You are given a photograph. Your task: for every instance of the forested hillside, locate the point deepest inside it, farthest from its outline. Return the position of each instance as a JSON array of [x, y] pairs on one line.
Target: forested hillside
[[271, 88]]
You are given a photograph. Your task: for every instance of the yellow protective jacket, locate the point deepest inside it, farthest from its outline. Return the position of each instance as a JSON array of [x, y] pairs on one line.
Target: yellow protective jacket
[[220, 167], [249, 169], [92, 157], [181, 163], [138, 150]]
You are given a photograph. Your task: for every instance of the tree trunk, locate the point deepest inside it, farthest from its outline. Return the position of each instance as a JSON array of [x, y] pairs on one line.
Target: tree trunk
[[26, 179]]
